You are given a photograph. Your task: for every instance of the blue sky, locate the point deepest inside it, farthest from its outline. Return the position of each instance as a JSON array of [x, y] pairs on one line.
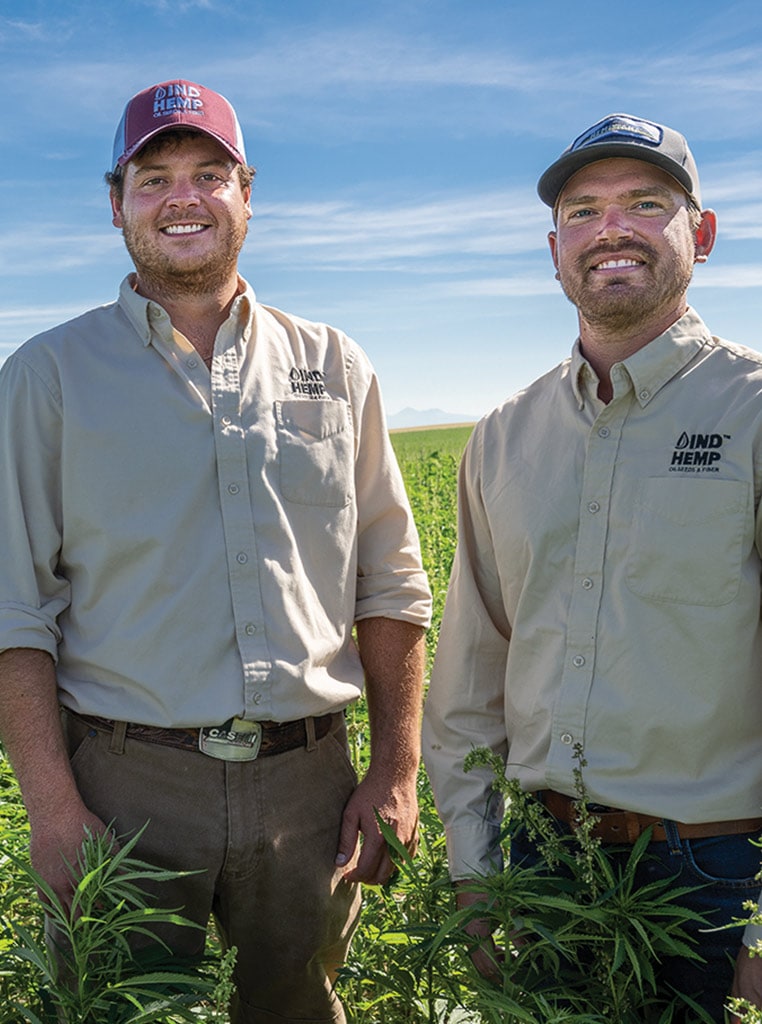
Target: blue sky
[[398, 145]]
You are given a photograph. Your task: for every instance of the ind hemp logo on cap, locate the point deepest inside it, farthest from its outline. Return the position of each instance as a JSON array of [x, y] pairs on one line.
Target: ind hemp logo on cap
[[177, 104], [177, 96]]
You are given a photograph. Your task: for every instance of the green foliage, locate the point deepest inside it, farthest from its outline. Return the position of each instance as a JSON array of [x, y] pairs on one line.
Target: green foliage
[[593, 935], [101, 961], [584, 936], [429, 461], [390, 978], [581, 936]]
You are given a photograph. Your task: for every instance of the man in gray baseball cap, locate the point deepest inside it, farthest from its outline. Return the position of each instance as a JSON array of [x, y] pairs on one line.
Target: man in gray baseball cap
[[622, 135], [605, 594]]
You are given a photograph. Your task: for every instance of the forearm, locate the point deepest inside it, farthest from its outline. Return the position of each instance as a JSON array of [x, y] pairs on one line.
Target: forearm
[[31, 733], [393, 654]]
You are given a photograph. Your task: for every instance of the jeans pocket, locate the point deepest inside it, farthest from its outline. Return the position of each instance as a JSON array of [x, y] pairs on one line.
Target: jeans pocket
[[729, 861], [79, 736]]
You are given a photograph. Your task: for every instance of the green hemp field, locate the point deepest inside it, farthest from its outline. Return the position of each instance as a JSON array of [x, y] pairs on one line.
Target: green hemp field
[[594, 937]]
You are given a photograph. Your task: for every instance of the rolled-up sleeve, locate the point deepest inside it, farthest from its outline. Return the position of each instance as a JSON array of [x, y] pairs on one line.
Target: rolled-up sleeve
[[391, 582], [465, 704], [33, 592]]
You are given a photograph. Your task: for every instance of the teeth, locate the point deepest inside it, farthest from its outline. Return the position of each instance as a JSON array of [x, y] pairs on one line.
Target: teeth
[[608, 264], [183, 229]]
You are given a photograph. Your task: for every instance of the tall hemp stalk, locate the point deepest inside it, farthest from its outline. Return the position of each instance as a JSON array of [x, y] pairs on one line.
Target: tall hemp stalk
[[106, 964]]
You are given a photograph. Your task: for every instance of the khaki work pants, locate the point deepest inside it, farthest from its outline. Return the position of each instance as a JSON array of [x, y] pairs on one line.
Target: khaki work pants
[[264, 834]]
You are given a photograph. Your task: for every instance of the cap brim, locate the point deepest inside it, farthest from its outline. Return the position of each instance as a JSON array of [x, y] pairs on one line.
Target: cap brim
[[553, 180]]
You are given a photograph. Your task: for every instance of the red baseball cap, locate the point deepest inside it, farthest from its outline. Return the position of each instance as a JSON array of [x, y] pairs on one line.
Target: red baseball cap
[[177, 104]]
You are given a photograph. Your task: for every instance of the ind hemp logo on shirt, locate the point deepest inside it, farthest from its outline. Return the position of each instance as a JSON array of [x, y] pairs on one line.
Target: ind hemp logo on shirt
[[310, 383], [698, 453]]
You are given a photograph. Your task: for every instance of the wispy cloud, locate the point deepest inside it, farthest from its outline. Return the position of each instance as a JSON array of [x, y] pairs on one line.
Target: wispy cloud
[[361, 77], [170, 5], [444, 232], [354, 234], [518, 285], [18, 29], [32, 249], [39, 314], [455, 234], [737, 275]]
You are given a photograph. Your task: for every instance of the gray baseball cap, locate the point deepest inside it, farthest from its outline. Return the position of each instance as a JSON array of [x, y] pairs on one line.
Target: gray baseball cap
[[626, 136]]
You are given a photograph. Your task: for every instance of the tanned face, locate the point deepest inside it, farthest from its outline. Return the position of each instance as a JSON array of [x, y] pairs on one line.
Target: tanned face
[[625, 244], [184, 216]]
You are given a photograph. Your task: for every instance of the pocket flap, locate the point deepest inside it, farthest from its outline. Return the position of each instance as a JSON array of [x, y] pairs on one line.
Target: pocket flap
[[317, 419]]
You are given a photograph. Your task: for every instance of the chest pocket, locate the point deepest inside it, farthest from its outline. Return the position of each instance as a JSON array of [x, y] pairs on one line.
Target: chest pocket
[[315, 452], [687, 540]]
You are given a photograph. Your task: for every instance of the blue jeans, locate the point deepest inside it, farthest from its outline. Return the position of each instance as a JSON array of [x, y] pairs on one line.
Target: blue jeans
[[726, 867]]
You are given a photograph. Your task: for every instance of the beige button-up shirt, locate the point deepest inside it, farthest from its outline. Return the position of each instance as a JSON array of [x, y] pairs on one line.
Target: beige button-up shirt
[[606, 593], [188, 545]]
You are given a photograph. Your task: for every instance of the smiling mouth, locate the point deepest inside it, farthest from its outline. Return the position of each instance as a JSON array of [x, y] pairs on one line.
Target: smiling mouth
[[184, 229], [618, 264]]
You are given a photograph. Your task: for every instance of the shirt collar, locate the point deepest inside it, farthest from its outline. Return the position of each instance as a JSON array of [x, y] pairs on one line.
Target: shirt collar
[[654, 365], [146, 315]]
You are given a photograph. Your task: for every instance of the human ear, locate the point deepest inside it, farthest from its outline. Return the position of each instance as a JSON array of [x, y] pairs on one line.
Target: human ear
[[706, 235], [116, 210], [553, 243]]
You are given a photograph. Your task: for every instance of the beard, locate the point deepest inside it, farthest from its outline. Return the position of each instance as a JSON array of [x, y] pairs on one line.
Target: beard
[[175, 276], [617, 305]]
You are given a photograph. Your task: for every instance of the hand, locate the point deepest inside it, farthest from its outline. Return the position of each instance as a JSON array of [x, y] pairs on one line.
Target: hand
[[747, 983], [486, 956], [55, 846], [398, 806]]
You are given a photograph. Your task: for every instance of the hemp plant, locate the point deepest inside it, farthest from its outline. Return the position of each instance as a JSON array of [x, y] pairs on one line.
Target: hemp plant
[[581, 937], [106, 964], [588, 933]]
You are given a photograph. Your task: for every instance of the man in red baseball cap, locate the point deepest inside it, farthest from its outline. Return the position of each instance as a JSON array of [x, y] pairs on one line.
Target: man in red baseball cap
[[199, 505], [174, 105]]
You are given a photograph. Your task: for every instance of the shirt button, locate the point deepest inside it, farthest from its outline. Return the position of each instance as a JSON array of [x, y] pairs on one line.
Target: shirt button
[[587, 584], [233, 488], [604, 432], [593, 507], [226, 421], [257, 698], [250, 629], [242, 558], [192, 362], [578, 661], [644, 395], [567, 738]]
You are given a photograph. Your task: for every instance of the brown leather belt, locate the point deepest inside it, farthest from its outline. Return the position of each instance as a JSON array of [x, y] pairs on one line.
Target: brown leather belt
[[615, 826], [277, 737]]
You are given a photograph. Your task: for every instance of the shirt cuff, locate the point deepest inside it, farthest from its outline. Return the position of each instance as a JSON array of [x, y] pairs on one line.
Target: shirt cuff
[[752, 936], [22, 626], [474, 852]]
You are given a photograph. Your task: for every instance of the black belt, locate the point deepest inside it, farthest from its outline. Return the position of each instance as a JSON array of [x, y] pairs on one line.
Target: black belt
[[277, 737], [616, 826]]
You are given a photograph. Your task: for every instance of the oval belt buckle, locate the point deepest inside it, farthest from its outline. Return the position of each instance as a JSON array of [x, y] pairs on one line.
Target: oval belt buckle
[[236, 740]]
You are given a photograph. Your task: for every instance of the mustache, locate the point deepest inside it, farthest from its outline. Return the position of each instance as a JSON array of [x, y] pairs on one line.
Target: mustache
[[637, 250]]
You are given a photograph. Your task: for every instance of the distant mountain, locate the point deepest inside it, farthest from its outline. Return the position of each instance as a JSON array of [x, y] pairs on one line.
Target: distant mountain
[[426, 418]]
